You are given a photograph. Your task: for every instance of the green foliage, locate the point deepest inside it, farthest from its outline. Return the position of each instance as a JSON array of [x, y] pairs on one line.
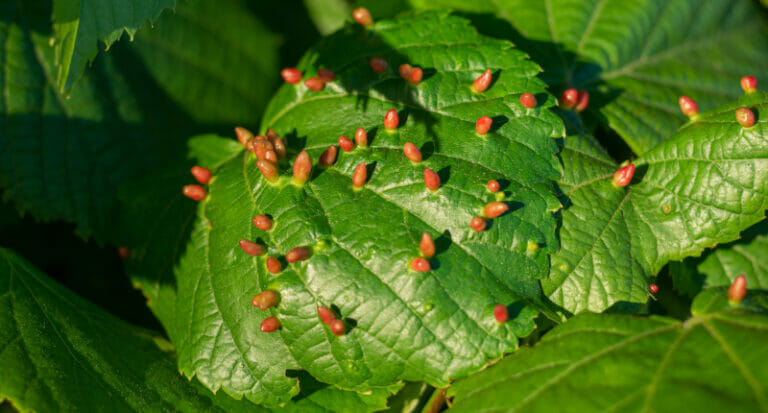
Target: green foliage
[[713, 361]]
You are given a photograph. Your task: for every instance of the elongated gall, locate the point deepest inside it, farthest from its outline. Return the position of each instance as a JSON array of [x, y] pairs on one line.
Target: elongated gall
[[326, 315], [745, 117], [495, 209], [361, 137], [291, 75], [416, 75], [405, 71], [419, 264], [268, 169], [478, 224], [427, 245], [749, 84], [326, 75], [391, 119], [273, 265], [337, 327], [271, 156], [302, 167], [528, 100], [345, 143], [360, 175], [378, 65], [314, 83], [653, 288], [203, 175], [493, 185], [623, 176], [483, 81], [277, 143], [297, 254], [483, 125], [252, 248], [328, 157], [412, 152], [500, 313], [124, 253], [270, 324], [362, 16], [195, 192], [262, 222], [264, 299], [738, 289], [243, 135], [431, 179], [569, 98], [582, 101], [261, 147], [688, 106]]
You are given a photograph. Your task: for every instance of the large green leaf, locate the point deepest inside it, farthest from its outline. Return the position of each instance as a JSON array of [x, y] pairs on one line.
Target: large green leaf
[[714, 361], [59, 352], [63, 158], [401, 325], [634, 57], [81, 24], [702, 186]]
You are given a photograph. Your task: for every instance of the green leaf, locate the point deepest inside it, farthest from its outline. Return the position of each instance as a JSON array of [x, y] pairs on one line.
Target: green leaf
[[63, 353], [64, 158], [328, 15], [635, 58], [81, 24], [401, 325], [702, 186], [714, 361]]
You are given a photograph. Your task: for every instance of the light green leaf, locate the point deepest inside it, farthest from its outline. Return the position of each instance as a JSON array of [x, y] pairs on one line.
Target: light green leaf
[[634, 57], [62, 353], [81, 24], [702, 186], [401, 325], [714, 361], [328, 15]]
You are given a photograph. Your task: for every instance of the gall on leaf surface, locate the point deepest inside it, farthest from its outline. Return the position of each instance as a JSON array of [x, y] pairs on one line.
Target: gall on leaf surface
[[401, 325], [714, 361], [634, 58], [700, 187]]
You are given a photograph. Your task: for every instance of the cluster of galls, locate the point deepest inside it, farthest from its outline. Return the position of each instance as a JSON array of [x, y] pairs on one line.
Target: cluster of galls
[[744, 115]]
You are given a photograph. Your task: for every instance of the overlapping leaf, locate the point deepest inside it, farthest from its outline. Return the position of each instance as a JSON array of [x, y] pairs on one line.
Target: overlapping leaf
[[714, 361], [701, 187], [400, 324], [635, 58]]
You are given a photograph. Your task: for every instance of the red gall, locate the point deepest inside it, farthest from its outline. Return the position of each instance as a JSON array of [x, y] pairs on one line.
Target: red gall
[[431, 179], [261, 147], [391, 120], [262, 222], [483, 125], [416, 75], [378, 65], [270, 324], [623, 176], [203, 175], [493, 185], [195, 192], [302, 167], [243, 135], [273, 265], [271, 156], [412, 152], [688, 106], [500, 313], [297, 254], [264, 299], [124, 253], [337, 327], [582, 101], [268, 169], [314, 83], [738, 289], [345, 143], [478, 224], [326, 75], [405, 71], [495, 209], [653, 288], [360, 175], [361, 137], [745, 117], [749, 84], [291, 75], [326, 315], [277, 143], [362, 16], [427, 245], [419, 264], [252, 248], [528, 100], [328, 157], [483, 81], [569, 98]]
